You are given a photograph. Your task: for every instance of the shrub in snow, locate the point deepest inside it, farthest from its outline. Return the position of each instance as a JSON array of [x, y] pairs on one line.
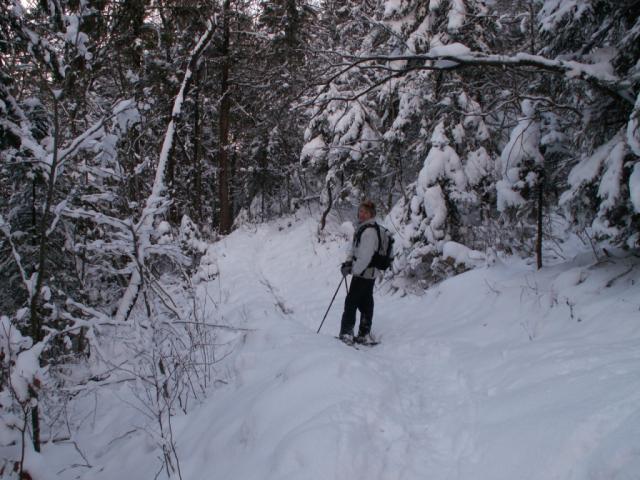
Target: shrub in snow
[[207, 268], [190, 238], [21, 381]]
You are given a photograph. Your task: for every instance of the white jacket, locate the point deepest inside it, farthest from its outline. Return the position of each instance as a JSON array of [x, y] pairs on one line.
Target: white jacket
[[362, 253]]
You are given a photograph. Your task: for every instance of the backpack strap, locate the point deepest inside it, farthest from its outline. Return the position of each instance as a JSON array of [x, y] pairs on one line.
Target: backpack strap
[[363, 228]]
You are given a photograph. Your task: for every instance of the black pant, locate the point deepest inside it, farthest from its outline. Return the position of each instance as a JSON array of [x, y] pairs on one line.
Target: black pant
[[360, 297]]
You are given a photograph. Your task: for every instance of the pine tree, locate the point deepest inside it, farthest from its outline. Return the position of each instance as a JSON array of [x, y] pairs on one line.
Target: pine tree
[[598, 197]]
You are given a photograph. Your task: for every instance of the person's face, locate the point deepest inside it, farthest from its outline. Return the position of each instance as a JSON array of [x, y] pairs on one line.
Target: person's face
[[364, 214]]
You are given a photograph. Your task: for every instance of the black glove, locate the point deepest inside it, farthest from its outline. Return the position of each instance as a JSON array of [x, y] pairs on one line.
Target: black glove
[[345, 269]]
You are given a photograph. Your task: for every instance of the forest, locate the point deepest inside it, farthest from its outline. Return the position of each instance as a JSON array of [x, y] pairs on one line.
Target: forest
[[134, 133]]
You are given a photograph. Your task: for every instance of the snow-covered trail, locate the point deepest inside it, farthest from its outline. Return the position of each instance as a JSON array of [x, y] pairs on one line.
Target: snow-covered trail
[[500, 373], [374, 408]]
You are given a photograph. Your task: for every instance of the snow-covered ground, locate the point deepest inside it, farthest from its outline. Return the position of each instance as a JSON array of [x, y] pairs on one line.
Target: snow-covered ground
[[499, 373]]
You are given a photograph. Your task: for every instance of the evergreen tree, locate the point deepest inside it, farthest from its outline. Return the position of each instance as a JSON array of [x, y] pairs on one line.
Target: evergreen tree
[[605, 34]]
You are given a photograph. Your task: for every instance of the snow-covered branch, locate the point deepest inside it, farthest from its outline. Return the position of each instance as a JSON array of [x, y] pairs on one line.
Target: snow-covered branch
[[456, 56], [26, 139], [82, 141], [145, 223], [97, 217], [39, 48], [5, 229]]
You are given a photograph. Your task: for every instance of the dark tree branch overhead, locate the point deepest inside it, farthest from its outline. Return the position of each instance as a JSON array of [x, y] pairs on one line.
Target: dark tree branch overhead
[[616, 87]]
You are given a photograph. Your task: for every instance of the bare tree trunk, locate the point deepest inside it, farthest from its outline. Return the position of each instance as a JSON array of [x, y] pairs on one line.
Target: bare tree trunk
[[223, 128], [323, 220], [539, 214], [197, 167], [532, 27], [34, 304], [174, 208]]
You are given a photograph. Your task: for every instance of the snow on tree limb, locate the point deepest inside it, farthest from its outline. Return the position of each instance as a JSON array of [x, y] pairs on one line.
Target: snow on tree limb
[[39, 48], [633, 129], [142, 228], [44, 158], [97, 217], [634, 187], [457, 56], [158, 183], [5, 229]]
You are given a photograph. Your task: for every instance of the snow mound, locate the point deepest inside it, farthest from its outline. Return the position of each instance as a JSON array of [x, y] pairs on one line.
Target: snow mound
[[462, 254]]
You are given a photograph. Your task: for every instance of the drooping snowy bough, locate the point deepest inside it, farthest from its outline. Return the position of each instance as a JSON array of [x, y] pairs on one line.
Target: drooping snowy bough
[[156, 203]]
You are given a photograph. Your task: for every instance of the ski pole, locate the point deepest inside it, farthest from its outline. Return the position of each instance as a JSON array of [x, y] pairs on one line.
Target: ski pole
[[334, 297]]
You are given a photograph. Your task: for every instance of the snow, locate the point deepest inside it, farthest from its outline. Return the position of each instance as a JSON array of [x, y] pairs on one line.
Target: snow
[[553, 12], [26, 374], [434, 5], [439, 136], [314, 150], [603, 168], [507, 196], [457, 15], [502, 372], [126, 114], [155, 201], [462, 254], [450, 50], [523, 142], [409, 105], [633, 129], [418, 38], [634, 187], [587, 169], [207, 270], [522, 147], [435, 208], [477, 166], [601, 73], [609, 188], [391, 7], [441, 162], [189, 235], [75, 37], [458, 134]]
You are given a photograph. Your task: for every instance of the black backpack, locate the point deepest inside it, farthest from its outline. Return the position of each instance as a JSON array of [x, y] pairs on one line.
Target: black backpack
[[383, 256]]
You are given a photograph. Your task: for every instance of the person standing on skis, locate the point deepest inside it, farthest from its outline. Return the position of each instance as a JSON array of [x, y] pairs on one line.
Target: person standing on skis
[[358, 264]]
